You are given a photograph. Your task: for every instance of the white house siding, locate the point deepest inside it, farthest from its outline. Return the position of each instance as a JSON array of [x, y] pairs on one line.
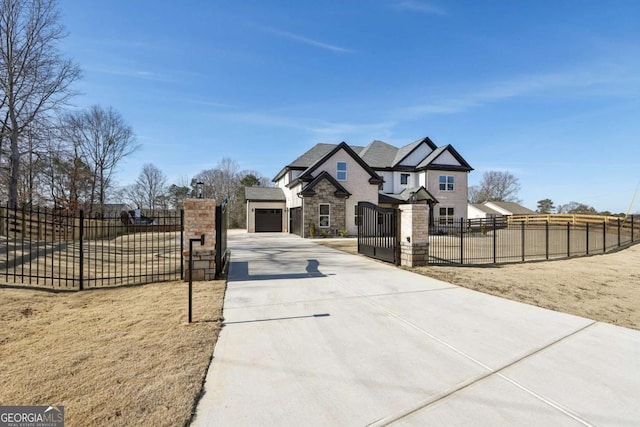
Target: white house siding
[[418, 155], [422, 179], [446, 158], [387, 187], [397, 187], [456, 199], [291, 194], [475, 213], [357, 184]]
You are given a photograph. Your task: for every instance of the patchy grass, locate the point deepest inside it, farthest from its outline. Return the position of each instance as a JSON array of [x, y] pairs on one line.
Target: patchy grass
[[122, 356], [600, 287]]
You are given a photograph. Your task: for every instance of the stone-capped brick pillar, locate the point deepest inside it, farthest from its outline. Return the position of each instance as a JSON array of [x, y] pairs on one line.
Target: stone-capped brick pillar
[[200, 218], [414, 235]]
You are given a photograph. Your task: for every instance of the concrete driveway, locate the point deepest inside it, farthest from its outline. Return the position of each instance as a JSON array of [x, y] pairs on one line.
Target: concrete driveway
[[314, 336]]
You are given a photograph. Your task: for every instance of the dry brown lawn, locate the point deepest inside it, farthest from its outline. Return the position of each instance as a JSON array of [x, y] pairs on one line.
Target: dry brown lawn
[[122, 356], [600, 287]]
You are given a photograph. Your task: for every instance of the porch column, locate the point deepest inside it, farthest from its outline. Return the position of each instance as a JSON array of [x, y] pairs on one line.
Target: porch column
[[414, 235], [200, 218]]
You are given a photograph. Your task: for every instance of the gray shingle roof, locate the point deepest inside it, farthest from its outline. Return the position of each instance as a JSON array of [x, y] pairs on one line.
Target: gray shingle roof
[[311, 156], [376, 155], [379, 154], [349, 150], [264, 194]]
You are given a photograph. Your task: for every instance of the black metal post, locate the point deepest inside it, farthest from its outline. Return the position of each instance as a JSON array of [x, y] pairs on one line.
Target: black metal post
[[81, 284], [461, 241], [181, 244], [568, 239], [632, 228], [618, 232], [522, 238], [587, 238], [495, 232], [396, 233], [604, 236], [546, 233], [201, 240]]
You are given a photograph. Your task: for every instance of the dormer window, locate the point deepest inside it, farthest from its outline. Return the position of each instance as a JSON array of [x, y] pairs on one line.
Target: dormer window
[[341, 171]]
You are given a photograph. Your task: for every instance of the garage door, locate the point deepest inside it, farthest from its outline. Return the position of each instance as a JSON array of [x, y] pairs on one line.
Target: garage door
[[268, 220]]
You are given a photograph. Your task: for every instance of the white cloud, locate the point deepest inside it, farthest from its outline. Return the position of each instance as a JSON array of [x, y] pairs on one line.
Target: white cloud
[[601, 81], [420, 6], [319, 128], [306, 40], [137, 74], [341, 129]]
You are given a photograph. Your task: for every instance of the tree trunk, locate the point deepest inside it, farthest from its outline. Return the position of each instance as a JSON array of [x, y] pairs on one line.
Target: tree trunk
[[14, 165]]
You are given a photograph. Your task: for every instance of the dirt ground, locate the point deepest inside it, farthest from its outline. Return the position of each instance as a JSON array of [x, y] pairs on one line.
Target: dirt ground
[[121, 356], [600, 287]]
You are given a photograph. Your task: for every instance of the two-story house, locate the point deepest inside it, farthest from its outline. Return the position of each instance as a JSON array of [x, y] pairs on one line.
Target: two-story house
[[324, 185]]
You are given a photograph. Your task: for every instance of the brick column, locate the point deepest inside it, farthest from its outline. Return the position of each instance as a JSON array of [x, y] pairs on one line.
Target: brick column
[[200, 218], [414, 235]]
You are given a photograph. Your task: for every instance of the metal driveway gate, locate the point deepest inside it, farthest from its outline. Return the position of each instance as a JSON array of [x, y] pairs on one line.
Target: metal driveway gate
[[379, 232], [222, 222]]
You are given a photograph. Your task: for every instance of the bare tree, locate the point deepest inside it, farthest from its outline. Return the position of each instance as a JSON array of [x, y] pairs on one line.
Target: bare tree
[[226, 182], [34, 77], [67, 174], [150, 186], [103, 139], [497, 186], [222, 181]]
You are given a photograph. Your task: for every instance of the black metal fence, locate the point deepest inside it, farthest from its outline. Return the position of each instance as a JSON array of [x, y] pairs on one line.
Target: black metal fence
[[222, 223], [498, 240], [52, 249]]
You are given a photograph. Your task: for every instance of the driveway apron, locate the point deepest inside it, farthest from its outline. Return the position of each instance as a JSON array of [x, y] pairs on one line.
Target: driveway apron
[[313, 336]]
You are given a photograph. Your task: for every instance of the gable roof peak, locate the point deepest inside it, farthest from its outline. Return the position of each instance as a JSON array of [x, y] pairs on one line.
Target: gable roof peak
[[308, 173]]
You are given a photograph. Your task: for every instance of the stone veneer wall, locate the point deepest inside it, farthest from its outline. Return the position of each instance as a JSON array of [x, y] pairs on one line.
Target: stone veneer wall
[[414, 235], [200, 218], [311, 210]]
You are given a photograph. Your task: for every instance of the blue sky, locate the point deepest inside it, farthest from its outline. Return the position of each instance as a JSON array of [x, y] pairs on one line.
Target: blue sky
[[548, 90]]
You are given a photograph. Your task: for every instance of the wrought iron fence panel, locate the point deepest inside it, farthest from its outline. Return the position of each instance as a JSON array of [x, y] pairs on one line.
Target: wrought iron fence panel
[[42, 247]]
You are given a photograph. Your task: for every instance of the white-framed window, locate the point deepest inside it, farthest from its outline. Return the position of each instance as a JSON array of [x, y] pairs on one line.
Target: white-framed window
[[325, 215], [447, 183], [446, 215], [341, 171], [404, 179]]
